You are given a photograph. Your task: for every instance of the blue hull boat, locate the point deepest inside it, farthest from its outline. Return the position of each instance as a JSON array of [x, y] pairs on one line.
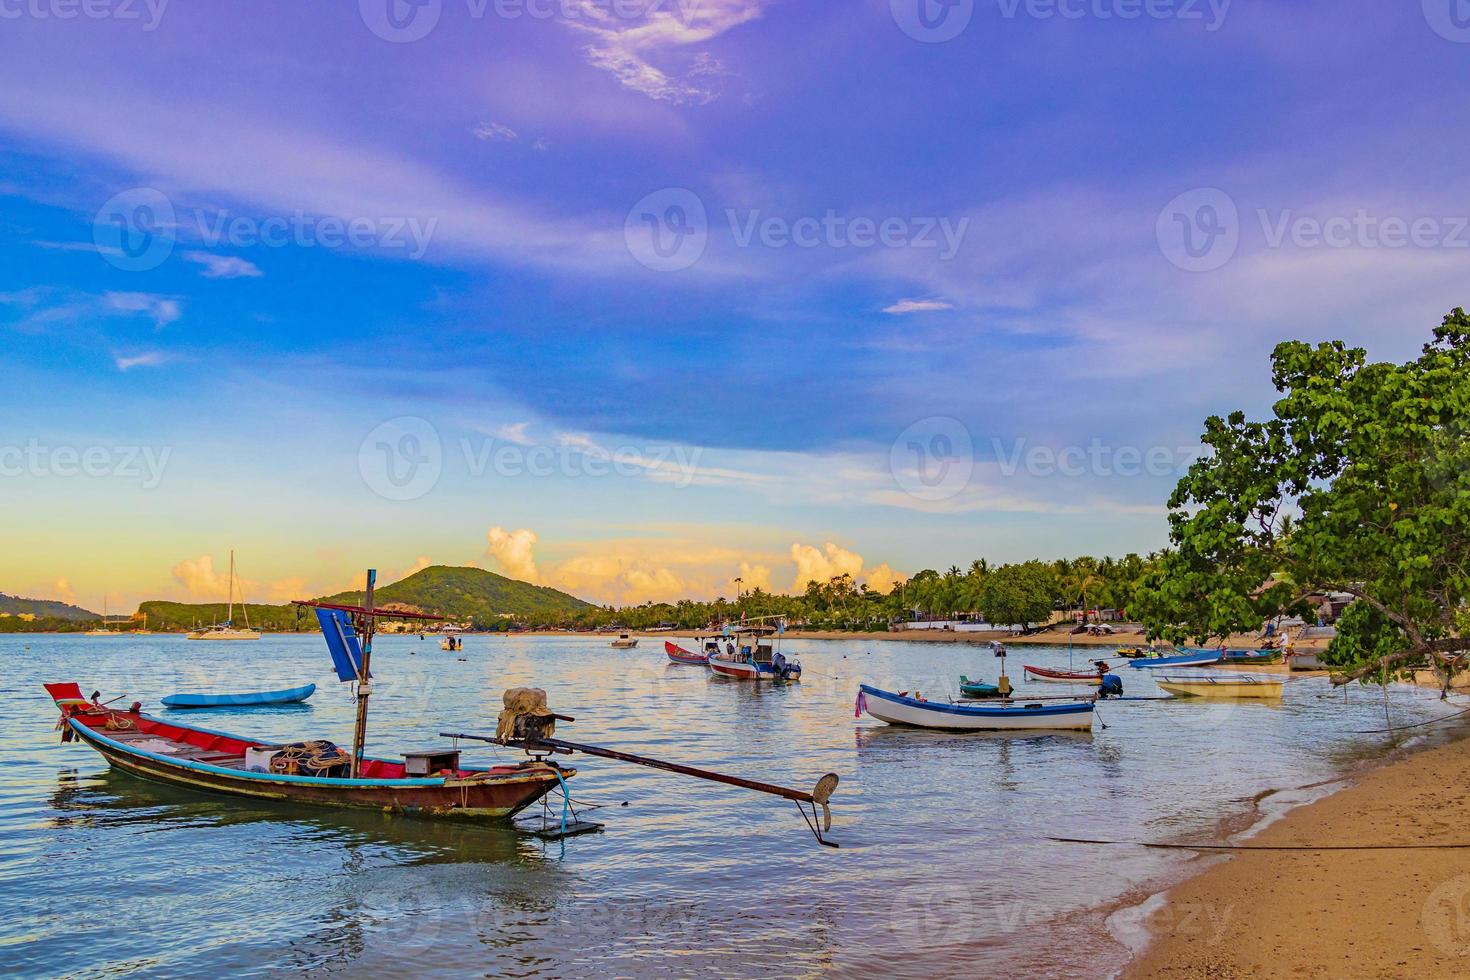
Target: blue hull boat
[[1198, 659], [292, 696]]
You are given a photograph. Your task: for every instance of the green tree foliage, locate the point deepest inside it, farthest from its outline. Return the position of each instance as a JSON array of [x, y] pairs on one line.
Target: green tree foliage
[[1359, 483], [1019, 594]]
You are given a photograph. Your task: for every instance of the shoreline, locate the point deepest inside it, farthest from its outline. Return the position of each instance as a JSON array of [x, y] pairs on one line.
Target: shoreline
[[1321, 913]]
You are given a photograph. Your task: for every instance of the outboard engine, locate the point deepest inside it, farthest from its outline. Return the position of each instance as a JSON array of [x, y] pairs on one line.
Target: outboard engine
[[1111, 686]]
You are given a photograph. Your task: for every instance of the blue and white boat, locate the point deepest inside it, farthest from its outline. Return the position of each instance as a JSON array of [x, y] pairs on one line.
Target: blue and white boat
[[900, 709], [1199, 658], [292, 695]]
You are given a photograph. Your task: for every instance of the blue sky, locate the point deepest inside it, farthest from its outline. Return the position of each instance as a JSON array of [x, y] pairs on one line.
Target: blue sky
[[830, 289]]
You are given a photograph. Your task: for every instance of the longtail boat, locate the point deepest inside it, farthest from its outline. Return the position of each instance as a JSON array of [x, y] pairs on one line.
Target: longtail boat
[[1222, 685], [754, 656], [1199, 658], [313, 771], [294, 695], [1229, 656], [900, 709], [977, 689], [310, 771], [679, 655], [1062, 676]]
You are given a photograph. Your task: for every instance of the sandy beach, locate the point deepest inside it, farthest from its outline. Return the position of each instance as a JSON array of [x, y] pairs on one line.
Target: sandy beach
[[1357, 913]]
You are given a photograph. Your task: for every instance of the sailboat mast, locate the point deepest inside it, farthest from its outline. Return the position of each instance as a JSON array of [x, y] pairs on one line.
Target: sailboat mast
[[230, 614], [364, 681]]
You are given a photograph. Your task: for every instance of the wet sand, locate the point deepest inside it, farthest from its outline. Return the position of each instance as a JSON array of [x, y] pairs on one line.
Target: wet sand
[[1353, 913]]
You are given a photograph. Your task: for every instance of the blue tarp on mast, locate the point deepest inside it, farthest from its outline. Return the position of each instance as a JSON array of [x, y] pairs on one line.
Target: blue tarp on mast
[[342, 642]]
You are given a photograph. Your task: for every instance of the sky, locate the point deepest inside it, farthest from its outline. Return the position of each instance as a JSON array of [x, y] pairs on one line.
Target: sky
[[635, 297]]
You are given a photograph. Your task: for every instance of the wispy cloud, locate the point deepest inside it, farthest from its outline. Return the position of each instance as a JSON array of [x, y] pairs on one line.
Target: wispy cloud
[[224, 266], [151, 358], [515, 432], [162, 309], [495, 132], [904, 306], [625, 51]]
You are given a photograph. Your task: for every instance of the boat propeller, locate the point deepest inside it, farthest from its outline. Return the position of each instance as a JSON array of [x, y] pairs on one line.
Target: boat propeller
[[821, 793]]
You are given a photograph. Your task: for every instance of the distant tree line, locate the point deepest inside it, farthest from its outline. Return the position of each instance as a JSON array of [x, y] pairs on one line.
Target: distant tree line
[[1023, 594]]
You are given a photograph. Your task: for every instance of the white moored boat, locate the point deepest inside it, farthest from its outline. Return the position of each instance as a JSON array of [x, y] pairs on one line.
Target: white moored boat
[[228, 630], [900, 709], [624, 642], [1222, 686]]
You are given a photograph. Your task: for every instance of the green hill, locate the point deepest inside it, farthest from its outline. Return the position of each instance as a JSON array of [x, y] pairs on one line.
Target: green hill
[[473, 595], [44, 608], [465, 595]]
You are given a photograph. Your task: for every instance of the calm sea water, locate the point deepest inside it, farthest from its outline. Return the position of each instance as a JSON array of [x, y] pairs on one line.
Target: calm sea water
[[943, 868]]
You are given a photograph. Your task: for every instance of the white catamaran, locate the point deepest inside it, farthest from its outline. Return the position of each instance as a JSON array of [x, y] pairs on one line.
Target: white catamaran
[[228, 630]]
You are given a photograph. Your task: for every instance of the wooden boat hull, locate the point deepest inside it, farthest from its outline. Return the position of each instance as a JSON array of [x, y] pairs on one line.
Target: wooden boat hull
[[293, 695], [1238, 656], [679, 655], [744, 671], [488, 794], [1060, 676], [972, 689], [896, 709], [1222, 687], [623, 644], [1188, 660]]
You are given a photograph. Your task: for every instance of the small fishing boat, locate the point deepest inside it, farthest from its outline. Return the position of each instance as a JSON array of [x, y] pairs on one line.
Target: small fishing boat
[[900, 709], [624, 642], [679, 655], [1133, 653], [316, 771], [1062, 676], [751, 656], [1223, 685], [1272, 656], [1200, 658], [977, 689], [451, 643], [294, 695]]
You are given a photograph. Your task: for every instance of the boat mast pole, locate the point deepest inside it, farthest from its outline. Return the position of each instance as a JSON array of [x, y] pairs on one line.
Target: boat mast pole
[[230, 613], [364, 680]]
